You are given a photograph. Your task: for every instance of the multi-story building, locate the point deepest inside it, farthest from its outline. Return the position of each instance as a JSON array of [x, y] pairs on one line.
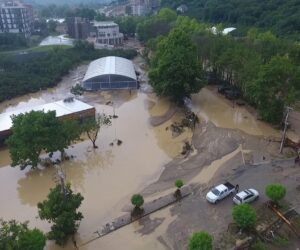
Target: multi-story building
[[78, 28], [143, 7], [16, 17], [107, 33]]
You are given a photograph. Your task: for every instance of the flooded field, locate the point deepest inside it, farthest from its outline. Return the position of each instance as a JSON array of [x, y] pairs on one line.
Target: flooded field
[[212, 107], [109, 175]]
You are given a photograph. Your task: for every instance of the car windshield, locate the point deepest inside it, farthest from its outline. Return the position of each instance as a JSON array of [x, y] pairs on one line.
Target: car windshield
[[215, 191], [238, 198]]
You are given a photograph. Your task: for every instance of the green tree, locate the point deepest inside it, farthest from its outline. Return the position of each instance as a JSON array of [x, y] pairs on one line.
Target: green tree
[[93, 126], [201, 241], [175, 71], [178, 184], [27, 141], [17, 236], [137, 200], [275, 192], [244, 215], [48, 133], [60, 209]]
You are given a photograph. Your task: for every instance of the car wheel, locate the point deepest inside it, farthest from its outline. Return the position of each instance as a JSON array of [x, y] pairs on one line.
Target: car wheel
[[256, 198], [216, 201]]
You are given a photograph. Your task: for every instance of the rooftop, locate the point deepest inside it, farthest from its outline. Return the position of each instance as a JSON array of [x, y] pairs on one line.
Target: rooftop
[[105, 24], [110, 65], [61, 107]]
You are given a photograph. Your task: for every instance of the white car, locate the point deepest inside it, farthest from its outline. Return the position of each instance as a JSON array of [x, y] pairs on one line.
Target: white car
[[220, 192], [246, 196]]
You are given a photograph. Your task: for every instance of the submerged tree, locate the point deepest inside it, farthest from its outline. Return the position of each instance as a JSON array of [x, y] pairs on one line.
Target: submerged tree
[[60, 209], [17, 236], [93, 126], [31, 133], [38, 131], [175, 70]]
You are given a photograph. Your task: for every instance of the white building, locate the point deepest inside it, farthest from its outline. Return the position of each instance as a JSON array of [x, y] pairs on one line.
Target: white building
[[107, 33], [16, 17]]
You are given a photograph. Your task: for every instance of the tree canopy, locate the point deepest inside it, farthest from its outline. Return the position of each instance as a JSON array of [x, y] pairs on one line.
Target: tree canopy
[[200, 241], [60, 208], [244, 215], [37, 131], [17, 236], [275, 192], [175, 70]]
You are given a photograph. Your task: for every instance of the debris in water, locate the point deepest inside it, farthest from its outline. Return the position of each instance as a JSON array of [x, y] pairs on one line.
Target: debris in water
[[119, 142], [187, 148], [111, 144]]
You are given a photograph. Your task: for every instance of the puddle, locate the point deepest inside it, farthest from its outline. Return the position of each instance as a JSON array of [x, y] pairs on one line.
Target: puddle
[[211, 107]]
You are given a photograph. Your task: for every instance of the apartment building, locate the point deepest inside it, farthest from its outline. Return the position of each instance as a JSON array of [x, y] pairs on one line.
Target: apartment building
[[16, 17]]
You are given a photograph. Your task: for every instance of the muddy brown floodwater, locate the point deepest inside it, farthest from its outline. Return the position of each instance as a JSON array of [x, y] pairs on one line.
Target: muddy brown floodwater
[[109, 175]]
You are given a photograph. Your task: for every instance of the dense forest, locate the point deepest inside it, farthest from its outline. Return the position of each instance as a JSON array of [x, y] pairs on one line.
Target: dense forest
[[24, 73], [281, 17]]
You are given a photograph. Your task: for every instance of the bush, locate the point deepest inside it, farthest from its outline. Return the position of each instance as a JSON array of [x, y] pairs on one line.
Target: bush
[[178, 183], [275, 192], [17, 236], [137, 200], [201, 241], [244, 215]]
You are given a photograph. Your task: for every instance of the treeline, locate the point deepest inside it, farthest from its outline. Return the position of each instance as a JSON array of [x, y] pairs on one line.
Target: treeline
[[264, 67], [281, 17], [10, 41], [22, 74]]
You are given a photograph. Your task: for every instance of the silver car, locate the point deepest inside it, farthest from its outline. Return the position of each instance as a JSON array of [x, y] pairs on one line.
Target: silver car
[[246, 196]]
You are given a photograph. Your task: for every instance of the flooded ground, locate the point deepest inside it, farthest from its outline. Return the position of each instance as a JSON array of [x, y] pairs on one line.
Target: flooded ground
[[109, 175], [212, 107], [106, 177], [56, 40]]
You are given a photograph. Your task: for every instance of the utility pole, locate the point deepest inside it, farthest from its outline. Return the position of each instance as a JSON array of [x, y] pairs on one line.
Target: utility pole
[[285, 128]]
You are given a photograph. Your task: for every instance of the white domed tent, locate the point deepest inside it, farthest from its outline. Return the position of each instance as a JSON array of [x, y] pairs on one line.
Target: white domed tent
[[110, 72]]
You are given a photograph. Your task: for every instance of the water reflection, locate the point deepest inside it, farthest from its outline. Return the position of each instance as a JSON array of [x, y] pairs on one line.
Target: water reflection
[[57, 40]]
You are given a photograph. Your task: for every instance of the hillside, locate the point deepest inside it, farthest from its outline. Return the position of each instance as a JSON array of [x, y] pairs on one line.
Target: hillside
[[281, 17]]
